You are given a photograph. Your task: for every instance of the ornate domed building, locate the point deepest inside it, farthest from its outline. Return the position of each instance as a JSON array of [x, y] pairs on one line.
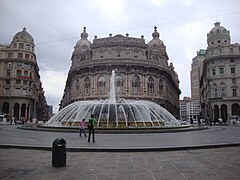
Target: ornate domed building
[[142, 71], [21, 92], [220, 92]]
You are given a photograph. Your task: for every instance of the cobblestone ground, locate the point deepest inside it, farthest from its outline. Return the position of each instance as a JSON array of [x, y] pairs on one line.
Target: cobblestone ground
[[219, 163]]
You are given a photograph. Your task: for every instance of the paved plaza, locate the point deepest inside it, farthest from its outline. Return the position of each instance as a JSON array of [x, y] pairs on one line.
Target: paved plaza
[[27, 154]]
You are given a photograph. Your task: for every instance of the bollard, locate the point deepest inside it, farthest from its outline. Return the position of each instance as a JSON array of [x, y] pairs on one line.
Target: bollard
[[59, 152]]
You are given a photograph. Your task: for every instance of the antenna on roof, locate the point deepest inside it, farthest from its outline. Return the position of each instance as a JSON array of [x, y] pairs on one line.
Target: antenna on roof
[[216, 15], [85, 22]]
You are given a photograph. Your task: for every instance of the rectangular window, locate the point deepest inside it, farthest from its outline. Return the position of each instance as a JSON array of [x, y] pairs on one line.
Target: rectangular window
[[232, 59], [20, 55], [19, 73], [233, 70], [18, 82], [26, 56], [231, 50], [19, 64], [234, 91], [9, 55], [28, 47], [213, 72], [20, 45], [6, 91], [215, 93], [15, 45], [8, 73], [25, 82], [221, 71], [26, 65], [24, 91], [220, 51], [7, 82], [17, 90], [223, 93], [234, 80], [25, 73]]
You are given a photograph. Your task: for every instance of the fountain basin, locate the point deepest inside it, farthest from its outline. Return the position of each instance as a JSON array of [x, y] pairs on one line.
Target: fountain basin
[[120, 114]]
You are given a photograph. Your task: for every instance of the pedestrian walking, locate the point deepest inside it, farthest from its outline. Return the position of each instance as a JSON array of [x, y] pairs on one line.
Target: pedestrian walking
[[91, 129], [81, 128]]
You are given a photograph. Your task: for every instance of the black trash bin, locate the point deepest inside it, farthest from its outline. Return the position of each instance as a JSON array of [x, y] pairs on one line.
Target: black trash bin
[[59, 152]]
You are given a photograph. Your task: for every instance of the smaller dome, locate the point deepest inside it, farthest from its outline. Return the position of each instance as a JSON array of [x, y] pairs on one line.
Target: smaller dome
[[155, 40], [217, 29], [83, 41], [218, 35], [23, 36]]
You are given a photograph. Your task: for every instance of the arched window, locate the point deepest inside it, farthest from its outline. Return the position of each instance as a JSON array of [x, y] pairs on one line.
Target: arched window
[[16, 111], [87, 85], [136, 84], [23, 110], [101, 85], [77, 83], [216, 112], [224, 112], [160, 86], [5, 108], [235, 109], [150, 85], [119, 84]]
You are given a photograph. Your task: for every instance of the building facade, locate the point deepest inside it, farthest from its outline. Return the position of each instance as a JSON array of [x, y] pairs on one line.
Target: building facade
[[220, 91], [183, 108], [190, 110], [142, 71], [21, 92], [196, 73]]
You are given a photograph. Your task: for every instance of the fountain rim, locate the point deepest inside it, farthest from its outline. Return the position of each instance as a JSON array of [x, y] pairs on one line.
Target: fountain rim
[[129, 130]]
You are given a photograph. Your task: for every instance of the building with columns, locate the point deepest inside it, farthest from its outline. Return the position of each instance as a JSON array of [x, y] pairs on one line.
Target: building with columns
[[220, 91], [142, 71], [21, 91]]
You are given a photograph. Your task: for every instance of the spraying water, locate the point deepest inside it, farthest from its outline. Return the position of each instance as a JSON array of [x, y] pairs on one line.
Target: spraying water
[[112, 113], [112, 95]]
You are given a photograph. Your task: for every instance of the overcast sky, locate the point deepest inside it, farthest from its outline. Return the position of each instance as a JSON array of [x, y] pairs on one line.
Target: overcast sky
[[56, 26]]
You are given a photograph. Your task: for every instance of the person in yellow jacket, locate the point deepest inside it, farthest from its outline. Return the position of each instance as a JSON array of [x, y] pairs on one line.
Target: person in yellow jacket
[[91, 122]]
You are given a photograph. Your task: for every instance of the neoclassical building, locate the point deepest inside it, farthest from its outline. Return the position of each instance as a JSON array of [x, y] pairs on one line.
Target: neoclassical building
[[142, 71], [21, 92], [220, 91]]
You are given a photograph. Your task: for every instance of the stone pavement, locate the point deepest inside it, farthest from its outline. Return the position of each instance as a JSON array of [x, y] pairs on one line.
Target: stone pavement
[[213, 137], [204, 164], [27, 154]]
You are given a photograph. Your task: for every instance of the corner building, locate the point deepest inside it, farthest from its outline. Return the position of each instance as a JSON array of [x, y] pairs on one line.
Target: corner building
[[220, 91], [142, 71], [21, 92]]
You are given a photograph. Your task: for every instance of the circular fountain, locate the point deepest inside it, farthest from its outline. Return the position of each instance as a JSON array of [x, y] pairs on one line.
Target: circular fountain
[[112, 113]]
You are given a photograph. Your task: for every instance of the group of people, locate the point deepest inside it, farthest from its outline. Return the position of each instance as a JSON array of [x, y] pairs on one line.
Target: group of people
[[91, 131]]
